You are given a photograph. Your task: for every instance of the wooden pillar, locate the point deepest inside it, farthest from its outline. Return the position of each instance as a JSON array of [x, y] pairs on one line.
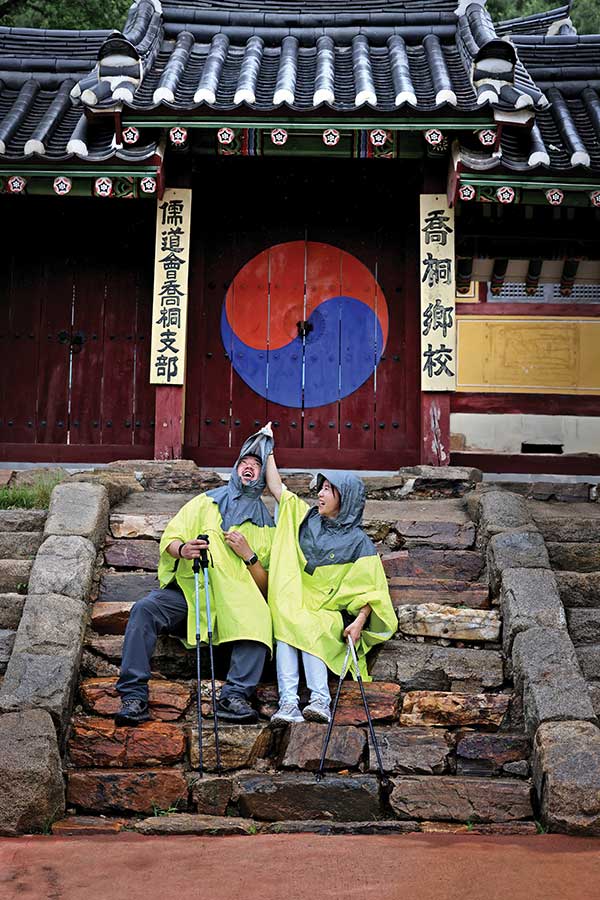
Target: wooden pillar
[[435, 428], [169, 320], [169, 417]]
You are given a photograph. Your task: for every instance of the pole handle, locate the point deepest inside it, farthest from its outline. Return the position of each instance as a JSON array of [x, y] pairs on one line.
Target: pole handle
[[202, 560]]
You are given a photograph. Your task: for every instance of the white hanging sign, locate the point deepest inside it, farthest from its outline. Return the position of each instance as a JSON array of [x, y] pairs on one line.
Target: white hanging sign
[[169, 309], [438, 294]]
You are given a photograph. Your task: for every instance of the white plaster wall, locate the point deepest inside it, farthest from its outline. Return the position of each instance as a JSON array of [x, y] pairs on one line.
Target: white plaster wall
[[504, 433]]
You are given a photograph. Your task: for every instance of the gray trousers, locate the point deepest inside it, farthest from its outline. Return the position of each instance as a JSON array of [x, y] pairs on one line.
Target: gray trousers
[[165, 611]]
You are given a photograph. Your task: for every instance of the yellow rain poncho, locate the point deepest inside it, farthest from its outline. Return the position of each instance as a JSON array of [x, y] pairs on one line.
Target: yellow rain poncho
[[320, 567], [238, 609]]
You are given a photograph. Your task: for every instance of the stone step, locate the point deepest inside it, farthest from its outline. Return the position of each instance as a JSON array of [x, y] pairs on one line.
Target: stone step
[[584, 625], [579, 589], [433, 523], [170, 657], [449, 622], [126, 790], [168, 700], [555, 492], [220, 826], [132, 554], [383, 699], [566, 523], [20, 544], [492, 754], [7, 640], [124, 587], [462, 798], [412, 750], [419, 589], [576, 556], [467, 565], [22, 519], [289, 797], [110, 618], [14, 575], [432, 667], [148, 526], [172, 700], [589, 660], [301, 745], [76, 826], [11, 609], [98, 742], [431, 618], [240, 746], [190, 823], [451, 710]]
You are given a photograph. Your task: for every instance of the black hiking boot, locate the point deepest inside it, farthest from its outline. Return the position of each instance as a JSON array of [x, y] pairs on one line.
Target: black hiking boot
[[236, 709], [133, 712]]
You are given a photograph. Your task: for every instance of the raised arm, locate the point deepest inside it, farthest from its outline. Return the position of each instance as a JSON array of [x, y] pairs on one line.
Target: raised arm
[[274, 482]]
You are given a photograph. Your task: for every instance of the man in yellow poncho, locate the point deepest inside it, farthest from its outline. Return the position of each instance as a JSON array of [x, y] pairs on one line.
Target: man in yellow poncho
[[240, 530], [323, 564]]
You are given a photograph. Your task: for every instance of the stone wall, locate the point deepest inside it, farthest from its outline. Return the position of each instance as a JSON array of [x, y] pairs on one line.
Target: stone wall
[[558, 712], [37, 690]]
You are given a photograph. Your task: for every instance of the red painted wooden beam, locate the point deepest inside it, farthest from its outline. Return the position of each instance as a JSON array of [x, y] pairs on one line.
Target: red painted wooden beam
[[526, 404], [579, 310], [435, 429], [168, 435]]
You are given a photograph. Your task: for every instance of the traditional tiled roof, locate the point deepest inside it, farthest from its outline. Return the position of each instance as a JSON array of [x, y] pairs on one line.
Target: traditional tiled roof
[[406, 57], [38, 119], [334, 60]]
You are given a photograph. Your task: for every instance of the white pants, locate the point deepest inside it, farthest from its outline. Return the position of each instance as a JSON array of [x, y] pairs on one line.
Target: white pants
[[288, 675]]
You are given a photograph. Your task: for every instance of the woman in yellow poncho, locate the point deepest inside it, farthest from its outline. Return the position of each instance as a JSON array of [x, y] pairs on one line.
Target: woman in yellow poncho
[[323, 564]]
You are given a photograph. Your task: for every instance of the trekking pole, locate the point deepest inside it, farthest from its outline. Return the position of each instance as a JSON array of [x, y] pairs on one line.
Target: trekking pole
[[204, 564], [352, 649], [320, 773], [196, 569]]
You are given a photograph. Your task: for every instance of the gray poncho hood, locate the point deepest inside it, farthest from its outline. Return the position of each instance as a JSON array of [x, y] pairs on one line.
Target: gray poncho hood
[[329, 542], [240, 502]]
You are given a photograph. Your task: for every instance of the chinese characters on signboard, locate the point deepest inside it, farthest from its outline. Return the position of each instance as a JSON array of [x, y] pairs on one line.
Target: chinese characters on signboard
[[438, 316], [169, 311]]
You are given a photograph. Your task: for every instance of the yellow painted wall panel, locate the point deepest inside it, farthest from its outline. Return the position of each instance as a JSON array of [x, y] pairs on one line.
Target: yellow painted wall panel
[[528, 354]]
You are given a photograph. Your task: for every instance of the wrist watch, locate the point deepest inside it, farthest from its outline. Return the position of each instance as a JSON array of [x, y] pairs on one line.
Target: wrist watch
[[250, 562]]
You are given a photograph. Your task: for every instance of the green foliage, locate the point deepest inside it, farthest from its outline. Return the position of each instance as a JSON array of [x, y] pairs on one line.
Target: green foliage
[[76, 14], [585, 13], [29, 496], [169, 811]]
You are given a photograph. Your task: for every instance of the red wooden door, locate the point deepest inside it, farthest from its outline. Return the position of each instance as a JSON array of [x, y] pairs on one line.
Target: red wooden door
[[296, 332], [74, 345]]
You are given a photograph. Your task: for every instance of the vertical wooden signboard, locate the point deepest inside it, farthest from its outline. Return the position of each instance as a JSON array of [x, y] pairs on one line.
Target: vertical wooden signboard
[[438, 293], [169, 309]]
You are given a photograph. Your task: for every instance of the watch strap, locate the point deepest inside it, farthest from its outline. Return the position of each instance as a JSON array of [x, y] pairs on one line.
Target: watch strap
[[250, 562]]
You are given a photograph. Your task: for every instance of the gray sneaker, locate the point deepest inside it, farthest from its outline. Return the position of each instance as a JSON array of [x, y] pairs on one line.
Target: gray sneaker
[[287, 712], [317, 711]]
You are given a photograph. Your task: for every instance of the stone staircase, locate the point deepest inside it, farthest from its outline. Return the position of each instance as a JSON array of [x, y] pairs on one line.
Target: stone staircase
[[21, 534], [450, 730], [572, 535]]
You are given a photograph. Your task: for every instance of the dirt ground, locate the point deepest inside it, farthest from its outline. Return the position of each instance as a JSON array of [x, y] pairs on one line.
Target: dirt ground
[[300, 867]]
